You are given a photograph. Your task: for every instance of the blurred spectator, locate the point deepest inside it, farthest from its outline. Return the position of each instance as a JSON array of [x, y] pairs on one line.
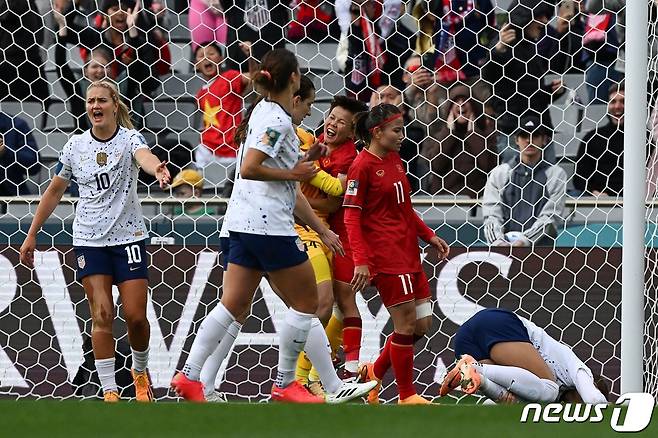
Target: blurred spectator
[[524, 198], [603, 47], [378, 48], [312, 19], [410, 150], [516, 70], [263, 22], [19, 156], [461, 147], [133, 60], [221, 101], [188, 186], [22, 75], [155, 21], [568, 36], [452, 37], [600, 159], [95, 69], [206, 22]]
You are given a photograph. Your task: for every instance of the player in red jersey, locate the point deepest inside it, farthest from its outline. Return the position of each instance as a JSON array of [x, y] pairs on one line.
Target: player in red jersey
[[383, 231], [338, 137]]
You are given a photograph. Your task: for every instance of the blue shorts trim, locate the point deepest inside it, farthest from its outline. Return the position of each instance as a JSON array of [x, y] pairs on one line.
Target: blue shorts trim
[[487, 328], [123, 262], [266, 253]]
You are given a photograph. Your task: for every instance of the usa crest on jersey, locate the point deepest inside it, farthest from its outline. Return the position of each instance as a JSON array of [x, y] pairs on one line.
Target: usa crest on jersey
[[101, 158]]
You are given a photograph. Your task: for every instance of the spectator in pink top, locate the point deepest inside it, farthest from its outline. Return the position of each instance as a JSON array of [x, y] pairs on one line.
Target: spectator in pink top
[[206, 22]]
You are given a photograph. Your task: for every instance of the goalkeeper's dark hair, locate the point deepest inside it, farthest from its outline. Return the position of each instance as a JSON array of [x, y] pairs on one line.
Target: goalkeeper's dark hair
[[366, 121], [306, 86], [350, 104]]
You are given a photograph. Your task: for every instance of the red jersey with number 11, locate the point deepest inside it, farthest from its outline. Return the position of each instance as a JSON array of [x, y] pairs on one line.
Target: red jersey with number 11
[[389, 231]]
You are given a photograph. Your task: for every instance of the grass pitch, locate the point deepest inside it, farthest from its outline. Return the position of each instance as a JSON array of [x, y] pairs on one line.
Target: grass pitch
[[96, 419]]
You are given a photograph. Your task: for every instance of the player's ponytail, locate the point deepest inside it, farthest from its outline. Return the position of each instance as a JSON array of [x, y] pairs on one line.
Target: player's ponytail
[[378, 116], [361, 133], [122, 114], [273, 74], [241, 131]]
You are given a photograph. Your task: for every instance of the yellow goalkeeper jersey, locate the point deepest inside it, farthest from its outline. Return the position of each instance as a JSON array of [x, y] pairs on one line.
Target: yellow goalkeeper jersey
[[319, 187]]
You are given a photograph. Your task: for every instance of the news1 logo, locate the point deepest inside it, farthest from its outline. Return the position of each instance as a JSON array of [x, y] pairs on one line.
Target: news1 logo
[[639, 410]]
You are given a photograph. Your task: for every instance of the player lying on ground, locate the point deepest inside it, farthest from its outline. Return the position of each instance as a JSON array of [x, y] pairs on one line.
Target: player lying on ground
[[262, 238], [510, 359], [383, 230], [337, 391], [108, 231]]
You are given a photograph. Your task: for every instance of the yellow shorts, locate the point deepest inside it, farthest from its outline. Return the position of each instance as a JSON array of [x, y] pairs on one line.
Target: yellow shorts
[[320, 257]]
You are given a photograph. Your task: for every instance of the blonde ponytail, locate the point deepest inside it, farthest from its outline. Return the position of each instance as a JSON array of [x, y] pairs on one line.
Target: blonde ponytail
[[123, 114]]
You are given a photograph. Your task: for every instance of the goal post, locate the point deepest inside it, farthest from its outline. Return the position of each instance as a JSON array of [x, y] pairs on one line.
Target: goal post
[[634, 210]]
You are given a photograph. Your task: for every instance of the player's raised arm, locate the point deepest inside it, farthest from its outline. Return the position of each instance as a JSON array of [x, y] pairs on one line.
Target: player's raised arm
[[153, 166]]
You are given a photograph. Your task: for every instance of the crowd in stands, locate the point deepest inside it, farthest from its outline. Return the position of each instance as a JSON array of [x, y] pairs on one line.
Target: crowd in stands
[[475, 84]]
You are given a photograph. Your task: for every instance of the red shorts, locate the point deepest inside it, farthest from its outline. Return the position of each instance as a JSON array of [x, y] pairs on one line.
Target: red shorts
[[344, 267], [396, 289]]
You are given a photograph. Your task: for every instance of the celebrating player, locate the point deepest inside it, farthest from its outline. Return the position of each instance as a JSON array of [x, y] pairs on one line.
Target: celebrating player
[[383, 232], [262, 237], [507, 357], [109, 233]]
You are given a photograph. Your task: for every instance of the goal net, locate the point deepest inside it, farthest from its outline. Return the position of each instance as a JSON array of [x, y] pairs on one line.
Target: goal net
[[467, 74]]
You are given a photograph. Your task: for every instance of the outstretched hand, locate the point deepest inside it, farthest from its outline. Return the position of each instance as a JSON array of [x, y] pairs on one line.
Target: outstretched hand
[[162, 174]]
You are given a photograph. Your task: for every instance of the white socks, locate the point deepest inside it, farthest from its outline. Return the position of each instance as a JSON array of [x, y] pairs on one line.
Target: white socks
[[211, 332], [214, 362], [105, 369], [521, 382], [586, 389], [318, 351], [292, 337], [140, 359]]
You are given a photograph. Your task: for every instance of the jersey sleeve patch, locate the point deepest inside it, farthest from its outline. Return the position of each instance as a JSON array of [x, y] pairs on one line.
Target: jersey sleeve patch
[[352, 187], [271, 137]]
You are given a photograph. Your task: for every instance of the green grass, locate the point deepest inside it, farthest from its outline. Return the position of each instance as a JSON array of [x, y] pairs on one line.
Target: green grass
[[95, 419]]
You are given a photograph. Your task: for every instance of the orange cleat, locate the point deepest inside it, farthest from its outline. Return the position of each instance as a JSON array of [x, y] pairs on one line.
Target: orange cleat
[[453, 378], [367, 374], [414, 400], [470, 378], [294, 393], [111, 397], [190, 390], [143, 391]]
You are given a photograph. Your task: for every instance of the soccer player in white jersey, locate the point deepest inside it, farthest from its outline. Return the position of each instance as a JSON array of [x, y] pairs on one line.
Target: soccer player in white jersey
[[510, 359], [108, 230], [338, 391], [262, 237]]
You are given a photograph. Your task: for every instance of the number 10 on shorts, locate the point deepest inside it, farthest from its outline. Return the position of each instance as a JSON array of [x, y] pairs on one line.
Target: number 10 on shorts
[[407, 284], [134, 254]]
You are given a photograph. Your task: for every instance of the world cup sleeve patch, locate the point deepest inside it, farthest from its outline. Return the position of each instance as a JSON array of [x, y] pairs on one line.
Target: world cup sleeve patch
[[271, 137], [352, 187]]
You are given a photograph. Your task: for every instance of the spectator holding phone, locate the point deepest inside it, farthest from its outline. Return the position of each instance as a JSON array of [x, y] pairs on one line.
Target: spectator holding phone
[[517, 70]]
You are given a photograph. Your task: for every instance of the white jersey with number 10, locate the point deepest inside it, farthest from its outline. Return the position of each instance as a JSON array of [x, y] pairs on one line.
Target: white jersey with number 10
[[109, 212]]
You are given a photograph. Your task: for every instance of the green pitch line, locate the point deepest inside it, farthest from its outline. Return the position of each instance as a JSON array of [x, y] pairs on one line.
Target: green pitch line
[[95, 419]]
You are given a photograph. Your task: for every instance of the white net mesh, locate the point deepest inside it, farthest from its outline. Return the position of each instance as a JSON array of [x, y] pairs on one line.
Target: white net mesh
[[465, 94]]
